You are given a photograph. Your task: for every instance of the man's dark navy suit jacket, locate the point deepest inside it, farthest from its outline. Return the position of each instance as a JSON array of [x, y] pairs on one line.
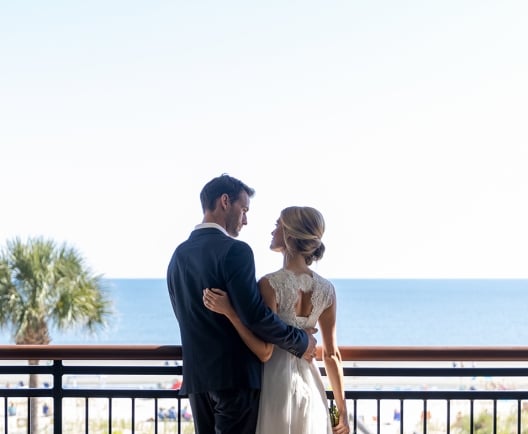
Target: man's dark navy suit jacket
[[214, 356]]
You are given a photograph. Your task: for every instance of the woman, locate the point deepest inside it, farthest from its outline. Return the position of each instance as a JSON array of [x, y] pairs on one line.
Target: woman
[[293, 398]]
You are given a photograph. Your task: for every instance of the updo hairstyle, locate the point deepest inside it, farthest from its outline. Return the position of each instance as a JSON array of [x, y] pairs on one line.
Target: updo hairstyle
[[303, 228]]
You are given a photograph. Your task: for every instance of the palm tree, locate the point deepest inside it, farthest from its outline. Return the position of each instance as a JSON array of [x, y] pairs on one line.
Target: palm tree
[[44, 286]]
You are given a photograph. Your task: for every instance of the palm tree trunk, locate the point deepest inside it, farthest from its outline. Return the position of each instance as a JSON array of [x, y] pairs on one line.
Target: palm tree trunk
[[33, 402]]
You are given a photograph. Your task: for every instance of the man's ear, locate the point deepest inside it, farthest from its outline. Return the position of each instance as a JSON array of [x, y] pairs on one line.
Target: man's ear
[[224, 201]]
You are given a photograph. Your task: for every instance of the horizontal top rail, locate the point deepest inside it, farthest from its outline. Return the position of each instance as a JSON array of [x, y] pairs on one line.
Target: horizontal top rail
[[348, 353], [434, 353], [90, 352]]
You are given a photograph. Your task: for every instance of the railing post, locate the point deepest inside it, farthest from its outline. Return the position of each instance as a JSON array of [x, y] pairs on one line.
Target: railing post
[[57, 396]]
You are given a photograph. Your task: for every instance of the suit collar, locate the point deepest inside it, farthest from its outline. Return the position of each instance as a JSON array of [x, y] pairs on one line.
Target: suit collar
[[211, 225]]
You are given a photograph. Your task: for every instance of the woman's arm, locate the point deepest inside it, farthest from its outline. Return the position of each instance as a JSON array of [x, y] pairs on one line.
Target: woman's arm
[[218, 301], [334, 365]]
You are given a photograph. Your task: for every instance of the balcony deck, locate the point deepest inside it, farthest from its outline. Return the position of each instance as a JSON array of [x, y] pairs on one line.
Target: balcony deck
[[390, 390]]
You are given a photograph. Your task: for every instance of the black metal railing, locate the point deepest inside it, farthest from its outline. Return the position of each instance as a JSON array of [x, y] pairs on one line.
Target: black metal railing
[[117, 389]]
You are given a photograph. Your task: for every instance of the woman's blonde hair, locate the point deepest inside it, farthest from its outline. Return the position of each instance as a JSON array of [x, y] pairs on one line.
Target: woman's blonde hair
[[303, 228]]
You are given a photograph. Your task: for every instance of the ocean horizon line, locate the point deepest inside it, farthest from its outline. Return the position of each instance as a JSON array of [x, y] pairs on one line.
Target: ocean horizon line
[[350, 278]]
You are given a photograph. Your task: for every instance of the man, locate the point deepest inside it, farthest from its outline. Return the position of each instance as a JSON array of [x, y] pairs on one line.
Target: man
[[220, 374]]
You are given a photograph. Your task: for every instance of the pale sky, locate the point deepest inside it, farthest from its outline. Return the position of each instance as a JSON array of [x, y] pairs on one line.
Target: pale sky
[[404, 122]]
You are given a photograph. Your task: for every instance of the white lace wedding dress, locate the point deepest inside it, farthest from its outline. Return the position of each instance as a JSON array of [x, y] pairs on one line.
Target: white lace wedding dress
[[293, 399]]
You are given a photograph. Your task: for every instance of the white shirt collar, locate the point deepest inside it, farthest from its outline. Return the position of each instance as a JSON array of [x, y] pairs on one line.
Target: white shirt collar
[[211, 225]]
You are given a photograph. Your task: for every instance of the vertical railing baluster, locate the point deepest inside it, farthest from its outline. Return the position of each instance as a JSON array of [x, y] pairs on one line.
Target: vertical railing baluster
[[57, 396], [424, 416], [6, 420], [519, 414], [378, 416], [355, 421], [133, 428], [471, 416], [109, 415], [155, 415], [179, 415], [86, 415], [495, 415]]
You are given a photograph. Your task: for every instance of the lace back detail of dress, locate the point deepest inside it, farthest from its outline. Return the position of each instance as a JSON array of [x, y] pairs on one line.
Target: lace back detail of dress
[[287, 285]]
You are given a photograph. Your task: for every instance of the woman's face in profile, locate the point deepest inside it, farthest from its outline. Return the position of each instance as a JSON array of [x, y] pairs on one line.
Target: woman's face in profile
[[277, 240]]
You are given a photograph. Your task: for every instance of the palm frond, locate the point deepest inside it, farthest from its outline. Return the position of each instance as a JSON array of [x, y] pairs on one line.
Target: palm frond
[[44, 284]]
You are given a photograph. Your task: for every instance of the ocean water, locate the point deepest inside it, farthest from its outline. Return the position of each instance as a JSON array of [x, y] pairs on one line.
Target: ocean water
[[369, 312]]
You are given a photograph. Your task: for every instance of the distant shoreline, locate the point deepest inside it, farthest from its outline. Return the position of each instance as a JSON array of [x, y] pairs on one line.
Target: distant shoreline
[[461, 382]]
